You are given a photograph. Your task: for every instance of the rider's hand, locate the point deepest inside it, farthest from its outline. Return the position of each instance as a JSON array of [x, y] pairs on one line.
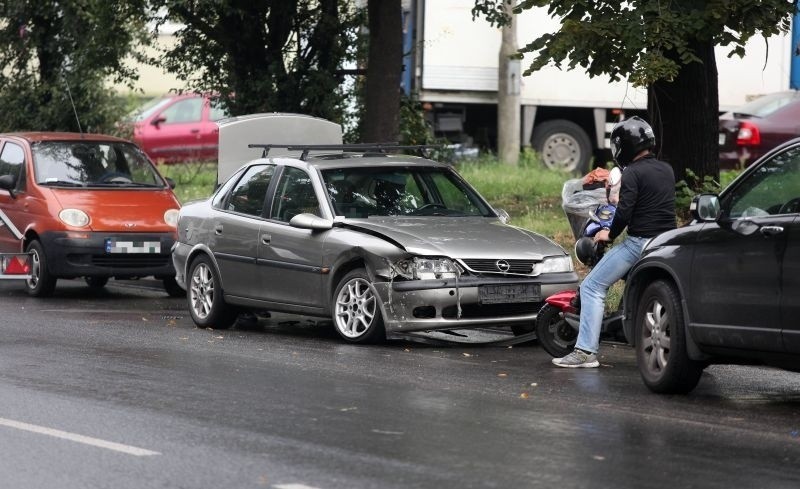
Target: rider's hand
[[601, 235]]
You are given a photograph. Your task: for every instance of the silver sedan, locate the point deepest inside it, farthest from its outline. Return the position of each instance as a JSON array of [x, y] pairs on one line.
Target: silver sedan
[[380, 244]]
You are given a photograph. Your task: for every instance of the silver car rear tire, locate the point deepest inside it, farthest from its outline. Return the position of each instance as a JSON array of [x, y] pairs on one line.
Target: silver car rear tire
[[206, 303], [356, 312]]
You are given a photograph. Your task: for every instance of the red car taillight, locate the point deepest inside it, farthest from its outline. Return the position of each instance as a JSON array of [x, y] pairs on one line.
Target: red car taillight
[[749, 135]]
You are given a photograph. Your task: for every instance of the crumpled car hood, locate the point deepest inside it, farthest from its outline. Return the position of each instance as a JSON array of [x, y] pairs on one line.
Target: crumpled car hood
[[460, 237]]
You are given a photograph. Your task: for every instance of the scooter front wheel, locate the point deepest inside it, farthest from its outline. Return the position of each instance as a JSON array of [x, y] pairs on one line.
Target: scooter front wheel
[[555, 334]]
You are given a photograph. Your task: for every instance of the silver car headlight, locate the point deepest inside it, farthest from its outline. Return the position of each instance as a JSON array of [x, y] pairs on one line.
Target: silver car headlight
[[554, 264], [419, 268]]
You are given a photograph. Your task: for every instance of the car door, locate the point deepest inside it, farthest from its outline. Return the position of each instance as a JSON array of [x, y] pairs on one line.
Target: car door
[[790, 299], [235, 229], [177, 132], [736, 273], [12, 208], [290, 258]]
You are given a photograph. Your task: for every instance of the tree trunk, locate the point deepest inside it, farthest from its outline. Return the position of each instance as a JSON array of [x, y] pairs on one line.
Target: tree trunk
[[384, 66], [508, 116], [684, 114]]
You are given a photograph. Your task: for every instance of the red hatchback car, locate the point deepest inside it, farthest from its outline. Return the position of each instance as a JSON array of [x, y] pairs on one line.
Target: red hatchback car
[[178, 128], [750, 131]]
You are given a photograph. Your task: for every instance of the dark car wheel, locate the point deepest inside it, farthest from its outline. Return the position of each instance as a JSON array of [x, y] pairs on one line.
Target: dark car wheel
[[41, 283], [555, 335], [172, 288], [96, 282], [206, 304], [356, 312], [661, 342]]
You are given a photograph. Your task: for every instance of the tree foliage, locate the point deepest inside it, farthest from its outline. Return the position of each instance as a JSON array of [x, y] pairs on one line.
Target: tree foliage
[[52, 50], [666, 46], [264, 56]]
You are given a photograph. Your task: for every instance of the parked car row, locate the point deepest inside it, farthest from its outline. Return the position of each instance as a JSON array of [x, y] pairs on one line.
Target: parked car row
[[384, 244]]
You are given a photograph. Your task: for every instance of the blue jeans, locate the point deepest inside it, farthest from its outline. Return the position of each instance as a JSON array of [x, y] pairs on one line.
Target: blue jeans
[[612, 267]]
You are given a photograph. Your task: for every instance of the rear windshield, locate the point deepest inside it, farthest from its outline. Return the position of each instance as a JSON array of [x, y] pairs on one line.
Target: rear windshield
[[93, 164], [766, 105]]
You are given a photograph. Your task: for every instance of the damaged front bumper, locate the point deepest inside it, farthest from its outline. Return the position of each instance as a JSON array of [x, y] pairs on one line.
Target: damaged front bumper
[[466, 302]]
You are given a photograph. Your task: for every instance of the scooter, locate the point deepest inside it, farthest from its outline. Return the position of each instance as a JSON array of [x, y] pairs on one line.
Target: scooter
[[558, 321]]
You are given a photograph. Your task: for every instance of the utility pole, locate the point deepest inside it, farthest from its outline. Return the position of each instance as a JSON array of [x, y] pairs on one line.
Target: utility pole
[[508, 88]]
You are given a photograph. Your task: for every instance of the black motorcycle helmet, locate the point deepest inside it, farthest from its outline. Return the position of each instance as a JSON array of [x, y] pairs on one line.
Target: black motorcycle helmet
[[586, 251], [629, 138]]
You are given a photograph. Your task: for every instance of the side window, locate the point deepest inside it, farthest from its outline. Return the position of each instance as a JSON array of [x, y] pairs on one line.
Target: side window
[[295, 195], [774, 188], [12, 162], [247, 197], [183, 111], [452, 196], [223, 191], [217, 112]]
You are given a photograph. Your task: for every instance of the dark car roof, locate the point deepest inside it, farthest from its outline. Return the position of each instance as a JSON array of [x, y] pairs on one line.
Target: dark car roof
[[39, 136]]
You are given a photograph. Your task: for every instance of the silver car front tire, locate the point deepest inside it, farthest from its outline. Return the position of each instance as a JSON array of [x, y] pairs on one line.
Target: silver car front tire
[[356, 312]]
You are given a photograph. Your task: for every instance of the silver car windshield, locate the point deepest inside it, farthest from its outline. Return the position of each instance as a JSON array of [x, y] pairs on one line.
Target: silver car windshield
[[93, 164], [401, 191]]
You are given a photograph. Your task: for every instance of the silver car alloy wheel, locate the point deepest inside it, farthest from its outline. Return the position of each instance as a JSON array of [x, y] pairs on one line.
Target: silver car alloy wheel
[[655, 337], [201, 291], [355, 308]]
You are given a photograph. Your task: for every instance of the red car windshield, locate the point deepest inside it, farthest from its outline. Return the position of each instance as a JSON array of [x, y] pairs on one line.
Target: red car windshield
[[93, 164]]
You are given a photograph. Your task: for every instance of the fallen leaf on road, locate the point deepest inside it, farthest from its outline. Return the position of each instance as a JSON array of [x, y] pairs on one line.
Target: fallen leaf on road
[[502, 374], [598, 457], [466, 354], [524, 395], [348, 409]]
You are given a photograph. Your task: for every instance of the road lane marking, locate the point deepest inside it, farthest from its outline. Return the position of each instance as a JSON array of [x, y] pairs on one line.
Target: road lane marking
[[293, 486], [87, 440]]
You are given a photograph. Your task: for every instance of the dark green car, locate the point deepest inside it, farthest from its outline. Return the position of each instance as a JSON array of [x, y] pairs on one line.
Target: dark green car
[[726, 287]]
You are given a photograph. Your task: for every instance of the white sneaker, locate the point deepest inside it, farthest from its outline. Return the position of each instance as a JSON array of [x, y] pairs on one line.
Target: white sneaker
[[577, 359]]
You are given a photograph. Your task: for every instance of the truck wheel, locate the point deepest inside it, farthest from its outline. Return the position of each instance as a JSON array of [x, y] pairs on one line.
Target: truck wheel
[[41, 283], [563, 146], [660, 333]]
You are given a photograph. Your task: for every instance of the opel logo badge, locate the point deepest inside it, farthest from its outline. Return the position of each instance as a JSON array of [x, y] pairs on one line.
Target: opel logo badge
[[502, 265]]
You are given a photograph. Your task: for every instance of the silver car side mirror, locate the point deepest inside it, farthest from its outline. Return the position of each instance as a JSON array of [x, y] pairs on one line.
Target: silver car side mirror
[[503, 216], [310, 221]]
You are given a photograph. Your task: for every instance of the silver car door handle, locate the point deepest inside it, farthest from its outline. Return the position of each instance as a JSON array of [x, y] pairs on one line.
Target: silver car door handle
[[266, 239], [218, 229], [771, 230]]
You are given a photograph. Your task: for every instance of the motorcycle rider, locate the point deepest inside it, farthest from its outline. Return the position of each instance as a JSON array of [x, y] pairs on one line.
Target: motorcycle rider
[[646, 208]]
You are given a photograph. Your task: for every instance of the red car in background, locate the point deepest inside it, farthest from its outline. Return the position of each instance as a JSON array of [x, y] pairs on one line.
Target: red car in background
[[750, 131], [178, 128]]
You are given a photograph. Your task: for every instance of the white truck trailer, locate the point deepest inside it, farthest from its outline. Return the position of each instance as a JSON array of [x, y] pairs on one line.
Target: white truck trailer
[[566, 116]]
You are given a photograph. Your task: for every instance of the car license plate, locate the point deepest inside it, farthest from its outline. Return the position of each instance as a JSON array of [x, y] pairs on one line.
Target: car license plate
[[507, 294], [722, 139], [126, 246]]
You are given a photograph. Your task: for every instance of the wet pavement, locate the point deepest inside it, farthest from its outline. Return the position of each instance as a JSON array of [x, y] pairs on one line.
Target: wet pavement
[[117, 388]]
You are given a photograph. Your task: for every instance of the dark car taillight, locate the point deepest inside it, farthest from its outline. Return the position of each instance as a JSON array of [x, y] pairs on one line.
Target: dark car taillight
[[748, 135]]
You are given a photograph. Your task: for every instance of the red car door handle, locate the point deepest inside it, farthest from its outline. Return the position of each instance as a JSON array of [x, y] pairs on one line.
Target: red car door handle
[[771, 230], [194, 131]]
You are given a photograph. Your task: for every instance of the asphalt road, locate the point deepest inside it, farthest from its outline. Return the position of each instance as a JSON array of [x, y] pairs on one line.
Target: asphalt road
[[119, 389]]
